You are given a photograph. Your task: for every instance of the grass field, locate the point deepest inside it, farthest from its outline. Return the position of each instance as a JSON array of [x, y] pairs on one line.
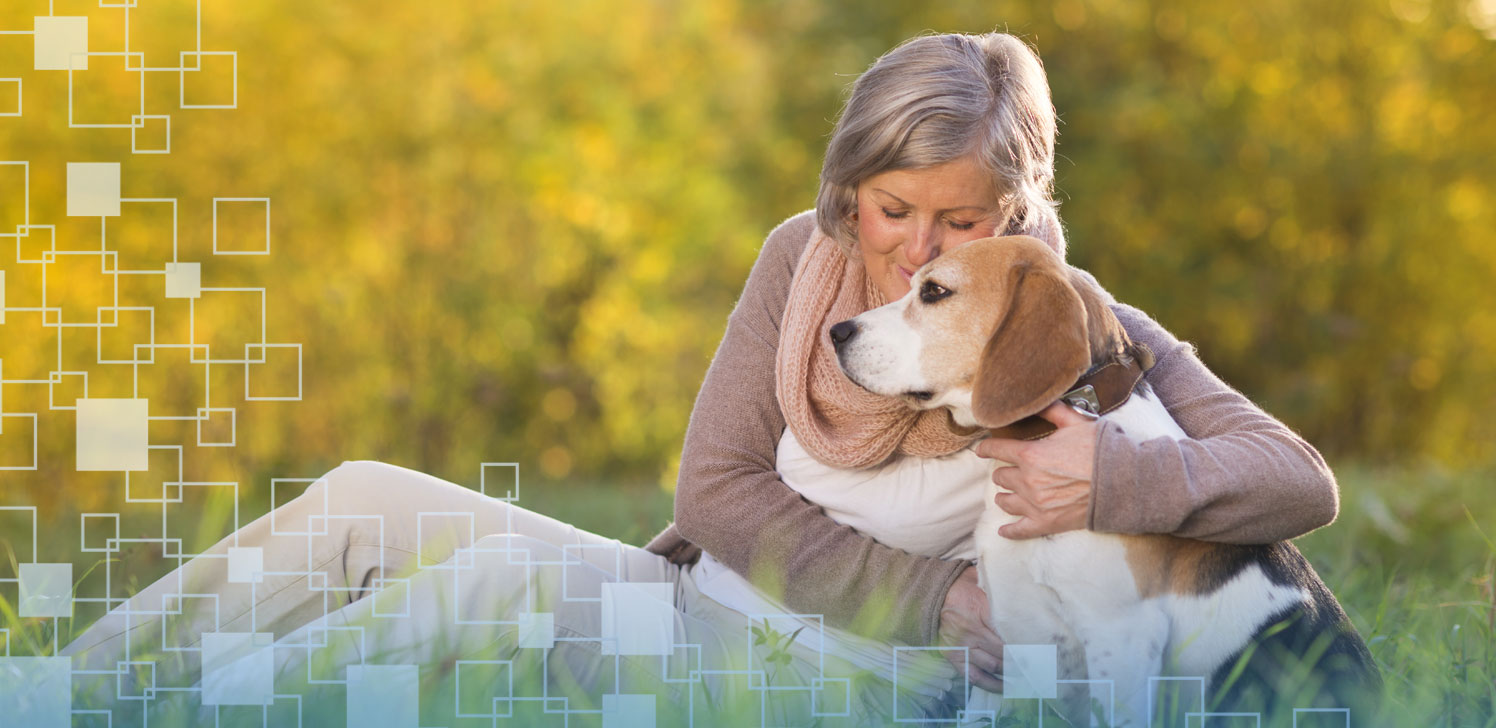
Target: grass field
[[1411, 558]]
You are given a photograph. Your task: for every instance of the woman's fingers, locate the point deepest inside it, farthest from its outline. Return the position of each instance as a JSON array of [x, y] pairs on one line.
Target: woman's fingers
[[1025, 528], [983, 639], [1047, 483], [980, 666], [984, 651], [1001, 448], [984, 661], [1014, 504], [984, 671], [1009, 477], [963, 623]]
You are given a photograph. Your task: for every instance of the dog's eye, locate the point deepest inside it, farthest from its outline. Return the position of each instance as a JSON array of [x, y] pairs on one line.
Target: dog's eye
[[931, 292]]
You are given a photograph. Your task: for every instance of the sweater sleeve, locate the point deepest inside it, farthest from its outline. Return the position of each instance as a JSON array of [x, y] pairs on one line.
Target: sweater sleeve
[[1241, 477], [730, 501]]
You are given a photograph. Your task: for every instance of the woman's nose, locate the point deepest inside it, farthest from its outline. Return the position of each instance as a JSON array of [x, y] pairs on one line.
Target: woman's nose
[[923, 247]]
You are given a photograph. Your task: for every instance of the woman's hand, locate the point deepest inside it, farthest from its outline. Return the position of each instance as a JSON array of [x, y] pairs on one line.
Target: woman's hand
[[1050, 479], [963, 623]]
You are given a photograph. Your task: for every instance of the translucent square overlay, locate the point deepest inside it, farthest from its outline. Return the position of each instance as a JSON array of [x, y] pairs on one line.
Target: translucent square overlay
[[638, 618], [537, 629], [113, 434], [628, 711], [35, 691], [1030, 671], [57, 38], [184, 280], [46, 590], [238, 668], [245, 565], [93, 189], [383, 696]]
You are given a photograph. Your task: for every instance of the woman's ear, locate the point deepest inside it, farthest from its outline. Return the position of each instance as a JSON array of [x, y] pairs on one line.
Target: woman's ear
[[1039, 349]]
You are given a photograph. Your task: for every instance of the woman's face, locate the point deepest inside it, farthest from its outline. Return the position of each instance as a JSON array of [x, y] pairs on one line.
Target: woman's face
[[908, 217]]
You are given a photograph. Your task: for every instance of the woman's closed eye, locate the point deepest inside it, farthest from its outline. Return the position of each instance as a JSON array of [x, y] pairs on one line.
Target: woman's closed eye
[[890, 214]]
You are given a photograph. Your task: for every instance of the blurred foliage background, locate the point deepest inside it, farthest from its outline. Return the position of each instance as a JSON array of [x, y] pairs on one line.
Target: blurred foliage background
[[513, 231]]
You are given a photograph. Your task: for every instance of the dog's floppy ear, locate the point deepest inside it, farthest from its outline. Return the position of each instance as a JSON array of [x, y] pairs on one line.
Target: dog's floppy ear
[[1039, 349]]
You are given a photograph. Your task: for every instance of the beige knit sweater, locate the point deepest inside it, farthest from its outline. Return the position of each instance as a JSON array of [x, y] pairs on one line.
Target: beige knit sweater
[[1242, 477]]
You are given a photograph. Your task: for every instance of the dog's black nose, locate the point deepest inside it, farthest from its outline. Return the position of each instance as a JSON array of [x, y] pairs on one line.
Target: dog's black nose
[[842, 333]]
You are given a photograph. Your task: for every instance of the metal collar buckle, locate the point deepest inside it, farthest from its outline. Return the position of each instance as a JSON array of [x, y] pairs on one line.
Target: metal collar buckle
[[1084, 399]]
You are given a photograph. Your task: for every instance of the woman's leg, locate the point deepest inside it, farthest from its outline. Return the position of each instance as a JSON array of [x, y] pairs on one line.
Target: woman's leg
[[461, 644], [360, 523], [547, 625]]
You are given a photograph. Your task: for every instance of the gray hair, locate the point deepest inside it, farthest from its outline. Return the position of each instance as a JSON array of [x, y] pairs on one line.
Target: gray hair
[[935, 99]]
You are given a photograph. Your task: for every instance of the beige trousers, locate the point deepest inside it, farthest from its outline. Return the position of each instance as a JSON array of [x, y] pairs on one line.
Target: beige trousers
[[379, 583]]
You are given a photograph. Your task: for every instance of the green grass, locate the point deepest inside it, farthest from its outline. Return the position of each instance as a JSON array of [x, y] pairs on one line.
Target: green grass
[[1412, 558]]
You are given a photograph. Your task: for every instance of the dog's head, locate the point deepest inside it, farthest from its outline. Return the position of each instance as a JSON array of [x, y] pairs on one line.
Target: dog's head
[[996, 330]]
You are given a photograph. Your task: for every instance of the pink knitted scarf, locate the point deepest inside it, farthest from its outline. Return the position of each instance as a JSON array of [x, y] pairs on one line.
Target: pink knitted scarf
[[838, 422]]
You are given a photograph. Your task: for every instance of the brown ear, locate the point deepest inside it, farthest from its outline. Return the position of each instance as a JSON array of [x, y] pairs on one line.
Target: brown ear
[[1106, 336], [1037, 352]]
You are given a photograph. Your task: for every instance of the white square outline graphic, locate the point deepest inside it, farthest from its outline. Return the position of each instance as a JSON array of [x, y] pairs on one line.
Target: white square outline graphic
[[19, 97], [265, 200], [183, 70]]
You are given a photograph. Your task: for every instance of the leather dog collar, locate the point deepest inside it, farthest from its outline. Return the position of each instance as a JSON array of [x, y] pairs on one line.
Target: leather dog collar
[[1097, 392]]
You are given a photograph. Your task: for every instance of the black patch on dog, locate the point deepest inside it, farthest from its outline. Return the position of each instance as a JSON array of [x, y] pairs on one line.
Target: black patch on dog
[[1306, 655]]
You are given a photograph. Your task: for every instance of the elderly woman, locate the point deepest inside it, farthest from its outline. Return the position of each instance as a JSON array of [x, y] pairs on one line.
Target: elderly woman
[[946, 139], [819, 528]]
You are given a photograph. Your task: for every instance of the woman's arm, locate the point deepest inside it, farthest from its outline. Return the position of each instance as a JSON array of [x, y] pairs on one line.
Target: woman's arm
[[1242, 477], [730, 501]]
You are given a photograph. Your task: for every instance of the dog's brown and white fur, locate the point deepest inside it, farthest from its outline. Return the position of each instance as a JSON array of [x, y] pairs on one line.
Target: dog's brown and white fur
[[996, 330]]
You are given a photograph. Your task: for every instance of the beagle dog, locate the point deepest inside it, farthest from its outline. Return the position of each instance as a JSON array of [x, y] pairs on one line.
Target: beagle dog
[[996, 330]]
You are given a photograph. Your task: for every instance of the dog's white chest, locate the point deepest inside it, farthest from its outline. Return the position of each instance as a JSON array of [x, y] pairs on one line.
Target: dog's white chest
[[1075, 558], [1054, 590]]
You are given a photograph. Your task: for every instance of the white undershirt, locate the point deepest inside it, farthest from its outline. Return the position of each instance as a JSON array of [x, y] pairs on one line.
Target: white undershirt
[[926, 506]]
